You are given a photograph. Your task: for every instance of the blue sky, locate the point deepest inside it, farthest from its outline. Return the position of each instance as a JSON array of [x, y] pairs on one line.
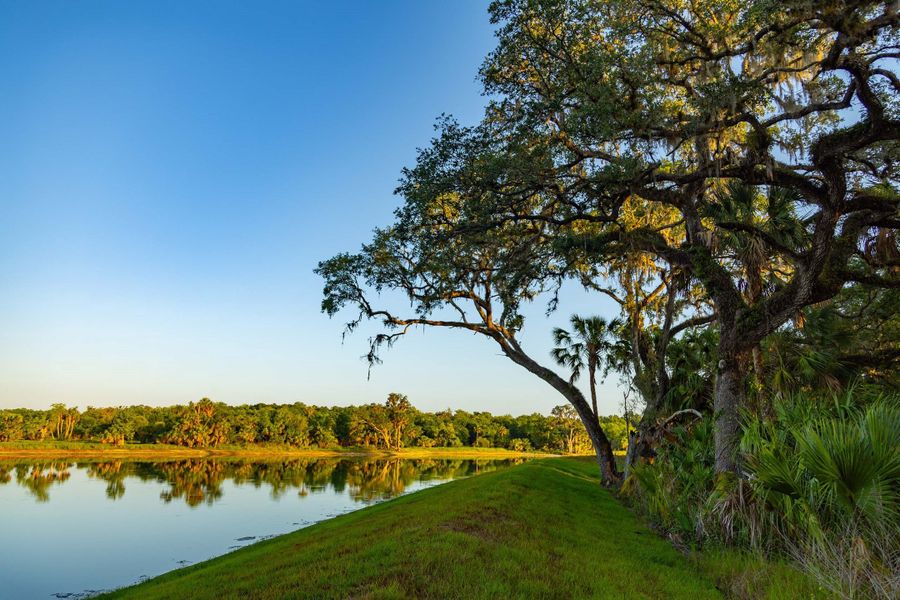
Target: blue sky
[[171, 173]]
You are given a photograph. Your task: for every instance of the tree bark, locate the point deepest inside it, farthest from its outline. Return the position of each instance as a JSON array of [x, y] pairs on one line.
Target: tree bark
[[729, 392], [592, 376], [642, 442], [609, 473], [603, 449]]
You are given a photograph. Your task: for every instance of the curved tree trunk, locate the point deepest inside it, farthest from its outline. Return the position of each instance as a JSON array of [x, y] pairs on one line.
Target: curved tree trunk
[[603, 449], [609, 473]]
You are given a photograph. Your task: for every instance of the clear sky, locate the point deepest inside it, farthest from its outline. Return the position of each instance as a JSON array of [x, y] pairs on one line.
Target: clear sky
[[171, 173]]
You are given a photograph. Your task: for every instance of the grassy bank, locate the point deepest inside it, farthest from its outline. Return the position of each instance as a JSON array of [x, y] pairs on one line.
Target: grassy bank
[[545, 529], [84, 450]]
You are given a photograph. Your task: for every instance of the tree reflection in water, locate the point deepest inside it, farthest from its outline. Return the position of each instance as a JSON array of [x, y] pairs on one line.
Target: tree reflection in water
[[37, 477], [198, 481]]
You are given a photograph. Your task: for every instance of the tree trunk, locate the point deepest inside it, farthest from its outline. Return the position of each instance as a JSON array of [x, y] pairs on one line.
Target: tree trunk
[[640, 443], [760, 403], [729, 393], [602, 448], [609, 473], [592, 372]]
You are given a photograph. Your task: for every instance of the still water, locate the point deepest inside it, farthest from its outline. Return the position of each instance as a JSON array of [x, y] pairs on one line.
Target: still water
[[68, 529]]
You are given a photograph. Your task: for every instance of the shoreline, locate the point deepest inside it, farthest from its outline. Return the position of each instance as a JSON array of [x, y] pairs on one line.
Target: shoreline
[[163, 452], [542, 529]]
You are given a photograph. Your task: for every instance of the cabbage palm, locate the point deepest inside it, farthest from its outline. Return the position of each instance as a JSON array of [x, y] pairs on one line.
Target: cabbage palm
[[583, 348], [831, 472], [839, 466], [741, 210]]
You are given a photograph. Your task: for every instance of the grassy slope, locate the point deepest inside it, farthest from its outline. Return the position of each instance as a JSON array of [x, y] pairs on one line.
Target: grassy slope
[[54, 449], [541, 530]]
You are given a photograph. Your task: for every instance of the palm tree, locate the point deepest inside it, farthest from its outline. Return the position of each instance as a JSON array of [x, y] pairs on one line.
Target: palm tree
[[584, 348], [741, 210]]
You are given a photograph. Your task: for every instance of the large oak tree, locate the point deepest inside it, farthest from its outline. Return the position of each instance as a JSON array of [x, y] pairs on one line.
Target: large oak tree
[[680, 103]]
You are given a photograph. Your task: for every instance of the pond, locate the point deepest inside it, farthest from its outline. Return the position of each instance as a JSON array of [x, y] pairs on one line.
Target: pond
[[70, 529]]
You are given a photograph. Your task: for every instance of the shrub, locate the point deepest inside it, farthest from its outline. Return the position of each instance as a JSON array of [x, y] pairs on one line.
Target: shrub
[[830, 475], [822, 486]]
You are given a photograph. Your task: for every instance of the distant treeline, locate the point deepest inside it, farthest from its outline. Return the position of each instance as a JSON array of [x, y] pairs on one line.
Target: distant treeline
[[391, 425]]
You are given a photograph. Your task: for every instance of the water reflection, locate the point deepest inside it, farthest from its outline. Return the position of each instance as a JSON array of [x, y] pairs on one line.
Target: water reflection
[[200, 481], [125, 520], [37, 478]]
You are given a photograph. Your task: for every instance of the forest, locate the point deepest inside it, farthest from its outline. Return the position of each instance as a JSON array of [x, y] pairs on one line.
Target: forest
[[726, 173], [390, 426]]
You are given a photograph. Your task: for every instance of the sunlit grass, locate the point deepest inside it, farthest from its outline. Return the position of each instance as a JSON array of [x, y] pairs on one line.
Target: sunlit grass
[[64, 449], [545, 529]]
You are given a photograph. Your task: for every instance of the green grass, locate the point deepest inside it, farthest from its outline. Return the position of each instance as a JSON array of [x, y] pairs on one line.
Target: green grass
[[746, 576], [81, 449], [545, 529], [541, 530]]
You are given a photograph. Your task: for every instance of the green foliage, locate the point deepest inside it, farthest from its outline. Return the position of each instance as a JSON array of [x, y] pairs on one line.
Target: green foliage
[[830, 474], [586, 346], [616, 429], [828, 462], [393, 425], [753, 576], [691, 359], [677, 157], [855, 337], [822, 487], [520, 444], [675, 488]]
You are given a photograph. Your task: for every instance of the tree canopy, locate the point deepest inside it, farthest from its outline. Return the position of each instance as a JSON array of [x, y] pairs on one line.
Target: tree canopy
[[761, 136]]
